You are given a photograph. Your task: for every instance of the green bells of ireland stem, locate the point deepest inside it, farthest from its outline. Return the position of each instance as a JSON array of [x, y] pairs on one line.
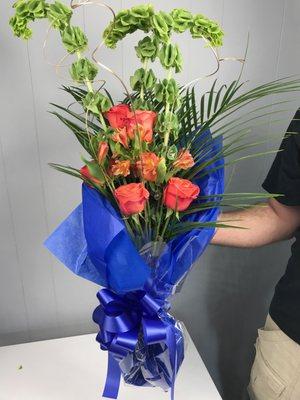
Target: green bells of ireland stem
[[170, 57], [83, 70], [182, 18], [210, 30], [96, 102], [74, 39], [143, 79], [161, 25], [59, 15], [147, 49]]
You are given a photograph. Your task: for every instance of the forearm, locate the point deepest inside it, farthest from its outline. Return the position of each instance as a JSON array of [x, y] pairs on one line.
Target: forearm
[[262, 224]]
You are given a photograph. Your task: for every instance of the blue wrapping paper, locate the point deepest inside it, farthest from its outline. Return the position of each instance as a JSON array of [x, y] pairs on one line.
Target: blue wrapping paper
[[93, 243]]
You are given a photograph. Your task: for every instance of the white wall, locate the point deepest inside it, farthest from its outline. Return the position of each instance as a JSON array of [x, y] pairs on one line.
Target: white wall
[[226, 297]]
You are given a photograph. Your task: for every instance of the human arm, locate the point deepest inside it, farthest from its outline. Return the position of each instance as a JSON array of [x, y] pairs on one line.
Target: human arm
[[263, 224], [277, 219]]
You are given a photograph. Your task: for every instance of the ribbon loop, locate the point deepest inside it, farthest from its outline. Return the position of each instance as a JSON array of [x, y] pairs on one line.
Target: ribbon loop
[[154, 330], [121, 319]]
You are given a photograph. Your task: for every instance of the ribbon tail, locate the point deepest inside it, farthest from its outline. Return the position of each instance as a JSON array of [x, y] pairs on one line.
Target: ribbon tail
[[171, 343], [113, 378], [174, 380]]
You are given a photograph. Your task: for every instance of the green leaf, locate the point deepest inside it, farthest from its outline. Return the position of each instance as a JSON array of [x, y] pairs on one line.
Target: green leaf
[[67, 170], [79, 117], [94, 169], [80, 134], [169, 213]]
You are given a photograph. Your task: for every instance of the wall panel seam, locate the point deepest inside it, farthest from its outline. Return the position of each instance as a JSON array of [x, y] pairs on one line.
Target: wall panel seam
[[43, 191], [15, 243]]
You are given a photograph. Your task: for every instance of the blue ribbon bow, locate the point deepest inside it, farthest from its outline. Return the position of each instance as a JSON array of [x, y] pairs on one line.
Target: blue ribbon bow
[[120, 319]]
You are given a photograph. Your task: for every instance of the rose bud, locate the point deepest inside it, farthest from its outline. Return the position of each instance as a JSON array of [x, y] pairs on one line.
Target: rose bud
[[131, 198], [102, 151], [147, 165], [143, 121], [87, 175], [180, 193], [120, 168], [184, 160], [118, 116]]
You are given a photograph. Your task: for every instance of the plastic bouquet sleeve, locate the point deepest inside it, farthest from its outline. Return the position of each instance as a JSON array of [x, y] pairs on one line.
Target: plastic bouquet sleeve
[[145, 343]]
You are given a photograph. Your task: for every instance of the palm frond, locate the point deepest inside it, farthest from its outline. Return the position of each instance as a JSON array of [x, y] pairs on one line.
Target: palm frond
[[67, 169], [82, 118], [80, 133]]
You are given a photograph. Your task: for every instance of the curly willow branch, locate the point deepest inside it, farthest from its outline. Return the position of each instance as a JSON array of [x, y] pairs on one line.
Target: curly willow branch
[[98, 3], [218, 60]]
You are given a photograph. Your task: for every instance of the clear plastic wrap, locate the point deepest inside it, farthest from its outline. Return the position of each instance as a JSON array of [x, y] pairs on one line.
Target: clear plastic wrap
[[145, 343]]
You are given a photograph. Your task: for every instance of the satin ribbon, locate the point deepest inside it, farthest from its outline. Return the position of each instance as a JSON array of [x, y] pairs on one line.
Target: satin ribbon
[[121, 319]]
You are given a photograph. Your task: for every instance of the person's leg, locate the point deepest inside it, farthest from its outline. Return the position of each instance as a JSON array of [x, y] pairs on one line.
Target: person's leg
[[276, 370]]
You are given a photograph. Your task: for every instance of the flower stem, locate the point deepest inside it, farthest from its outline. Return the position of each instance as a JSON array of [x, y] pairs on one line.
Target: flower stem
[[90, 88], [167, 112], [165, 227], [145, 67]]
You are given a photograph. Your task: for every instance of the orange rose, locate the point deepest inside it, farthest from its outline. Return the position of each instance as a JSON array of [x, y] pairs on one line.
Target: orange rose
[[144, 121], [118, 116], [184, 160], [147, 165], [120, 136], [102, 151], [132, 198], [179, 194], [87, 175], [120, 168]]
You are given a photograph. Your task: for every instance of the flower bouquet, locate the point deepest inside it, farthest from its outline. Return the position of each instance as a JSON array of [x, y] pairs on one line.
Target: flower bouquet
[[153, 179]]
